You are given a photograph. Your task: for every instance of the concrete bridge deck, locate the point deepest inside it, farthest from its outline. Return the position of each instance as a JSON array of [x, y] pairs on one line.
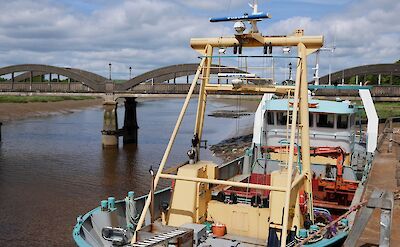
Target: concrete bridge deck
[[379, 93]]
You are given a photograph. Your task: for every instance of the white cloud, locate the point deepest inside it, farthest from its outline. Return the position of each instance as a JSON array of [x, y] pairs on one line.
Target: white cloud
[[366, 32], [147, 34]]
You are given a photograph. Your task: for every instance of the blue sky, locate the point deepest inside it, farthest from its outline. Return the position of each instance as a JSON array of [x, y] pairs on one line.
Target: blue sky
[[147, 34]]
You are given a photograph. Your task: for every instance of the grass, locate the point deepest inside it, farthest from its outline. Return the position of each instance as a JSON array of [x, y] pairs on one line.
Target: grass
[[384, 109], [26, 99], [387, 109]]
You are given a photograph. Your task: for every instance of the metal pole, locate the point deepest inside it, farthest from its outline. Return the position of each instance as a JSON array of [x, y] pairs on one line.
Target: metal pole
[[223, 182], [291, 147], [109, 67], [273, 71], [305, 131], [329, 76], [50, 82], [202, 99], [152, 196], [12, 80], [130, 72], [391, 135], [316, 77], [169, 147], [342, 77], [30, 80]]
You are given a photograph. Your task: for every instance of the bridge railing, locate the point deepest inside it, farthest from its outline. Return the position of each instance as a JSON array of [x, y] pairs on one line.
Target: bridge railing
[[44, 87], [163, 88], [376, 91]]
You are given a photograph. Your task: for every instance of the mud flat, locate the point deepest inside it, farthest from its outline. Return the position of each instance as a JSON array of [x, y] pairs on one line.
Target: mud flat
[[17, 111]]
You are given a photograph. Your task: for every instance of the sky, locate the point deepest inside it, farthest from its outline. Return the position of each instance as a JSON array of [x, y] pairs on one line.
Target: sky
[[148, 34]]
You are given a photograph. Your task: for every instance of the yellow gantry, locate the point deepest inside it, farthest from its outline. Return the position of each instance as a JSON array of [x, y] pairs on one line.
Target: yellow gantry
[[305, 46]]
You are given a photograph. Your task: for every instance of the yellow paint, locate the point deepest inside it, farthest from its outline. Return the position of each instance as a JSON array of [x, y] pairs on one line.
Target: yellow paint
[[240, 219], [255, 40], [277, 201], [189, 199], [314, 159]]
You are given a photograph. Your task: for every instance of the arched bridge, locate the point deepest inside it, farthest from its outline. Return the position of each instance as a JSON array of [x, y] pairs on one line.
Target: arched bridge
[[85, 81], [171, 73], [88, 82], [360, 71], [91, 80]]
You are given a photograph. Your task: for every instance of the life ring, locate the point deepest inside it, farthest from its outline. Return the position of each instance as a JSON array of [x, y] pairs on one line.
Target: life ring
[[303, 203]]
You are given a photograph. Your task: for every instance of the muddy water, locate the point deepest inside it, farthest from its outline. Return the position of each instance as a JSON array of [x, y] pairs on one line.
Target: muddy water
[[52, 169]]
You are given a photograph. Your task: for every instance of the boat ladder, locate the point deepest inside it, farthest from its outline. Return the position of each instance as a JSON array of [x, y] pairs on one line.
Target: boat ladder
[[159, 238]]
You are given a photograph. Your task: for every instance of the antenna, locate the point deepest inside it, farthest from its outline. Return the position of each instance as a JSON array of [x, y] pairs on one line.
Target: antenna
[[253, 23], [254, 6], [316, 68], [253, 18]]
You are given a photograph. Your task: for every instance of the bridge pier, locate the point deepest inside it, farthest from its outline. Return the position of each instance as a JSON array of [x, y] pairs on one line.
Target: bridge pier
[[130, 129], [110, 124]]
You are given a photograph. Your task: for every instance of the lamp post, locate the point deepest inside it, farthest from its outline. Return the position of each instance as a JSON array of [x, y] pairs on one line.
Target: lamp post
[[130, 72], [109, 66], [290, 71]]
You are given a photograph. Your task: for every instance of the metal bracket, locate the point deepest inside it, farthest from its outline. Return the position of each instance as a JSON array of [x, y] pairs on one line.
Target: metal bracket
[[204, 142]]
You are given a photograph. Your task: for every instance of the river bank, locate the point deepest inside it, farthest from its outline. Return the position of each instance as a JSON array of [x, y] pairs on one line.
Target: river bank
[[235, 146], [57, 165], [18, 111]]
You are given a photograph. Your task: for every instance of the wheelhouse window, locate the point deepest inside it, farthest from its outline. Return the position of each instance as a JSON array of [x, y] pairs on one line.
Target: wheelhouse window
[[270, 118], [342, 121], [281, 118], [325, 120]]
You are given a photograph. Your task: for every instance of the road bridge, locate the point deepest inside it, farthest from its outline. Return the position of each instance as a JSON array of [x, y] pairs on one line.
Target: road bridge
[[161, 82], [30, 79], [360, 73]]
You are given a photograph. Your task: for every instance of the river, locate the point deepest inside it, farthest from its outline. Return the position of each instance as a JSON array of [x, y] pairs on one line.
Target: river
[[53, 169]]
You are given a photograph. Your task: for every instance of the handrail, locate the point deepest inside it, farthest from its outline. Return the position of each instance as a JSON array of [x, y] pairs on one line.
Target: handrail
[[386, 130], [223, 182], [169, 147]]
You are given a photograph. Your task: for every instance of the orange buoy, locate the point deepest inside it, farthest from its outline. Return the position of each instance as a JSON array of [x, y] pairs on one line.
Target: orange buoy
[[218, 229]]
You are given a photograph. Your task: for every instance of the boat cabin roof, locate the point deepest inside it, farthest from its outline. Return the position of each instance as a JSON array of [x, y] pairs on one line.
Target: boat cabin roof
[[326, 106]]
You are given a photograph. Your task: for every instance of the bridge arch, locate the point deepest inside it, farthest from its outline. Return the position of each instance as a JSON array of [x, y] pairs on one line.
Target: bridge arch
[[371, 69], [170, 72], [92, 80]]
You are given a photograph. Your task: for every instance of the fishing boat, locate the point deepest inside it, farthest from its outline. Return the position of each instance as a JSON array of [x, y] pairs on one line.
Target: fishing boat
[[300, 182]]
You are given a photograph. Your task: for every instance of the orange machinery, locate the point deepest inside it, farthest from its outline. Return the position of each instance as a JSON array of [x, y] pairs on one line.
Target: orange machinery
[[334, 193]]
